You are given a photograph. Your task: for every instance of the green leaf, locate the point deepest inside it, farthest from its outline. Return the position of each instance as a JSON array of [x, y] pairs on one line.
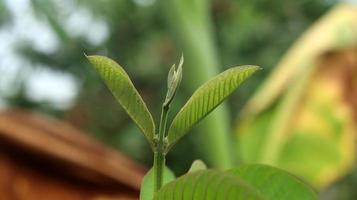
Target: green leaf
[[173, 81], [254, 182], [147, 186], [207, 98], [124, 91], [273, 183], [207, 185], [197, 165]]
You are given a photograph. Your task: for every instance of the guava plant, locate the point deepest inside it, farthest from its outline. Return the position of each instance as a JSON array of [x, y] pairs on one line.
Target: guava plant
[[247, 182]]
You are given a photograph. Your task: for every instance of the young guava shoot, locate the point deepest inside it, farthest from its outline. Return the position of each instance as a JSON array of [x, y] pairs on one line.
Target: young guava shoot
[[255, 182]]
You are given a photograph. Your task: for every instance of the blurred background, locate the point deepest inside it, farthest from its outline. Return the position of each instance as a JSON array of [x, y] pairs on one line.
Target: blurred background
[[43, 69]]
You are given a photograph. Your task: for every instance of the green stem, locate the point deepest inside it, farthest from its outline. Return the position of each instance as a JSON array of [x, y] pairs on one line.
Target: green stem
[[159, 163], [159, 154]]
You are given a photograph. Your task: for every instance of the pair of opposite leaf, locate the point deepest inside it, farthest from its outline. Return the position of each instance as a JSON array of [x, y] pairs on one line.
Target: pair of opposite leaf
[[205, 99]]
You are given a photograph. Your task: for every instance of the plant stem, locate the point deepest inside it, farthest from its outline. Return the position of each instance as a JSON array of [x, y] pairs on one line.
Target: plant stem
[[159, 163], [159, 155]]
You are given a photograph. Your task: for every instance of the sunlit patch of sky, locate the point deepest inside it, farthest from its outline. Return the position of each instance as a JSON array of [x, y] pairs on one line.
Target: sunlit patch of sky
[[83, 23], [43, 84], [62, 87]]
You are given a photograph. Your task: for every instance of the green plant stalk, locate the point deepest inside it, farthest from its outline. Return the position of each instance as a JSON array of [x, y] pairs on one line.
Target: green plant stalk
[[159, 163], [159, 152], [191, 24]]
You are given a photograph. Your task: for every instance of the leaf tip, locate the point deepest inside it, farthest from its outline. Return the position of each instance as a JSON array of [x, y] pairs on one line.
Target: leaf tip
[[89, 57], [251, 68], [258, 67], [182, 59], [255, 67]]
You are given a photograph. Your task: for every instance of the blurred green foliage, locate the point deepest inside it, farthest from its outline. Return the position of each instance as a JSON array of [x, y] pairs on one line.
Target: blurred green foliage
[[4, 14], [244, 32]]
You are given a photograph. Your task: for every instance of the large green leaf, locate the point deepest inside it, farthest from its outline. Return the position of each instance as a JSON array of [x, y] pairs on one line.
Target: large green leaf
[[147, 186], [255, 182], [273, 183], [208, 184], [124, 91], [207, 98]]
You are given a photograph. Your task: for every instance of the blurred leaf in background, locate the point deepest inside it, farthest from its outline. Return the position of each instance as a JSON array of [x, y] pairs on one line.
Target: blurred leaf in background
[[303, 118]]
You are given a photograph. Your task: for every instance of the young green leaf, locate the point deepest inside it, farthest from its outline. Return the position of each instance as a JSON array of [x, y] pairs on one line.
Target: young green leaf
[[147, 186], [197, 165], [208, 185], [173, 81], [207, 98], [124, 91], [273, 183]]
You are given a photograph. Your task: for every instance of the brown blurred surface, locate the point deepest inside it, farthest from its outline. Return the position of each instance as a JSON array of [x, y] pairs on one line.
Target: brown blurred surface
[[339, 69], [43, 158]]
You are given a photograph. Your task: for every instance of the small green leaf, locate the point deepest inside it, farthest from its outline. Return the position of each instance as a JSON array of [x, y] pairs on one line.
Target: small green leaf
[[273, 183], [197, 165], [147, 186], [208, 185], [207, 98], [124, 91], [173, 81]]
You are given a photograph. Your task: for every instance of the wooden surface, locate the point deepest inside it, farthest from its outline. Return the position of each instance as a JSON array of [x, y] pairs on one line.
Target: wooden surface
[[43, 158]]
